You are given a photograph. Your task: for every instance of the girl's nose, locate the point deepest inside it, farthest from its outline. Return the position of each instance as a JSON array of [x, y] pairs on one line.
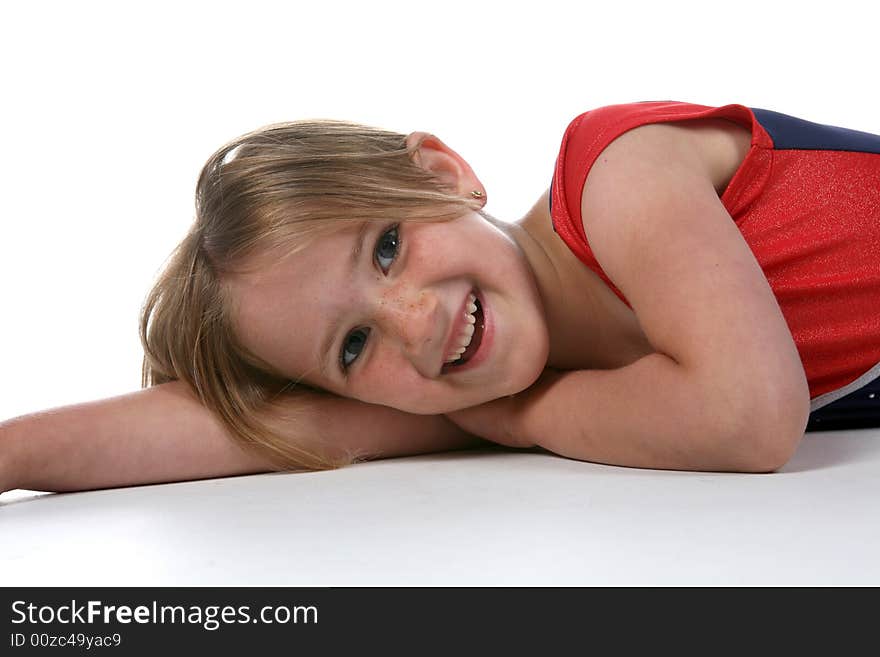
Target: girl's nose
[[412, 317]]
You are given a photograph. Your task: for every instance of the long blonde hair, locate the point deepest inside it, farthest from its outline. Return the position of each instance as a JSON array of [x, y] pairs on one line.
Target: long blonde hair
[[271, 191]]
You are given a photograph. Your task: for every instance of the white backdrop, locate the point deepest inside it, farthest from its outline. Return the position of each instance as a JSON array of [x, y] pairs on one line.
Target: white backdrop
[[110, 109]]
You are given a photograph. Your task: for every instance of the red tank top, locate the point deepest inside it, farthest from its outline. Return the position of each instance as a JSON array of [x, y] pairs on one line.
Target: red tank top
[[806, 199]]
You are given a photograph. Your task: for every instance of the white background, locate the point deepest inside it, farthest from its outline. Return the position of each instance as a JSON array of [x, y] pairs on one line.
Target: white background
[[109, 111]]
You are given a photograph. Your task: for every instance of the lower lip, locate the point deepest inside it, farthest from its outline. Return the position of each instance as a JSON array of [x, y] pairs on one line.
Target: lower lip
[[486, 341]]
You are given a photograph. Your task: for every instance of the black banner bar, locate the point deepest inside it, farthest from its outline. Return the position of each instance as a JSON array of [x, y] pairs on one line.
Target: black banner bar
[[411, 621]]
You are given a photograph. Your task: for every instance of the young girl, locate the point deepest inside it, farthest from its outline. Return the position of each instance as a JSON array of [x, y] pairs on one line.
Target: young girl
[[693, 284]]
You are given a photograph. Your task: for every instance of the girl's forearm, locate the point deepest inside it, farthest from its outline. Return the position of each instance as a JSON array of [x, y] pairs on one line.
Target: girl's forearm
[[654, 413], [154, 435], [164, 433]]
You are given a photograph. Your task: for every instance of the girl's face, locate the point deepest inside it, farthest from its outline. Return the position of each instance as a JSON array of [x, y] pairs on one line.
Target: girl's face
[[375, 314]]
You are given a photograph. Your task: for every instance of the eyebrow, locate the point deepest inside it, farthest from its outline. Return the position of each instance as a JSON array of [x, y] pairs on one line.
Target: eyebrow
[[336, 325]]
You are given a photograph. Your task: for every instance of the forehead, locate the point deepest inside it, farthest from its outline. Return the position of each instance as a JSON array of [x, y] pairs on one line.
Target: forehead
[[266, 261]]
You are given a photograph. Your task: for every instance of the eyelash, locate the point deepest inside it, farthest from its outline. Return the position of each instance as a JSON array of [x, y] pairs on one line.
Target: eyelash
[[395, 229]]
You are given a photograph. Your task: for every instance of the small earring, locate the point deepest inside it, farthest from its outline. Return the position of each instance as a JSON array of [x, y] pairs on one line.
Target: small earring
[[477, 194]]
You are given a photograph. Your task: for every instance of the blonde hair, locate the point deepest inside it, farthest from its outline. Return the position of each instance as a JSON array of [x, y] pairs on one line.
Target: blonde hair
[[268, 193]]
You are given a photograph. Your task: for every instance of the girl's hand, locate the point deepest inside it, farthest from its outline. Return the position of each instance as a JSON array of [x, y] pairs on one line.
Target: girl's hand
[[504, 420]]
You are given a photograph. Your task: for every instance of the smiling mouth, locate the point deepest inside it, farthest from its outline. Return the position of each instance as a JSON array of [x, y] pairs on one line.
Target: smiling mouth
[[475, 340]]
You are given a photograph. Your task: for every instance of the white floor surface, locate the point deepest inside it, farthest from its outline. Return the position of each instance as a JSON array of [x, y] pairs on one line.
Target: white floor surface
[[482, 518]]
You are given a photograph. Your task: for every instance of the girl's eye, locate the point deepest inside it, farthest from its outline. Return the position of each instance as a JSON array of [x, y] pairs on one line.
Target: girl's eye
[[352, 345], [387, 247]]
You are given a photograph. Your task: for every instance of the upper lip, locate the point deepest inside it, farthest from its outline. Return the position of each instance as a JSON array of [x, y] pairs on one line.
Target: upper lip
[[457, 326]]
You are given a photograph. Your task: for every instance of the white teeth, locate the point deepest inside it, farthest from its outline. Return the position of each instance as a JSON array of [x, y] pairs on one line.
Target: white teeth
[[468, 331]]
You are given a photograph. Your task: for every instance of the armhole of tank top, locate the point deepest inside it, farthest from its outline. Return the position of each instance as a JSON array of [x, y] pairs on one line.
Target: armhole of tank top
[[634, 115], [591, 132]]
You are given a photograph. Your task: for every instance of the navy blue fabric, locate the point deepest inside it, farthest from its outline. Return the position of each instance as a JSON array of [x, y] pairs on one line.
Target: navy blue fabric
[[789, 132], [858, 410]]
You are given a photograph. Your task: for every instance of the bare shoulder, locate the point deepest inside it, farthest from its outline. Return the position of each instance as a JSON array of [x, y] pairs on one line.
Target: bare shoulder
[[714, 148]]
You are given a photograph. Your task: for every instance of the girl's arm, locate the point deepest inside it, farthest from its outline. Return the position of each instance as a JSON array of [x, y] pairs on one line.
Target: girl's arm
[[649, 414], [163, 433], [726, 371]]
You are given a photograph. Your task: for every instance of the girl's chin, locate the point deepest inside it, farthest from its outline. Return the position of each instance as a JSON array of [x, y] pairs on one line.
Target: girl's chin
[[511, 383]]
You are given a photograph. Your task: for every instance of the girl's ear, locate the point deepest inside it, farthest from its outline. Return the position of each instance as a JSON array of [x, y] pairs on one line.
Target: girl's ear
[[413, 145], [430, 153]]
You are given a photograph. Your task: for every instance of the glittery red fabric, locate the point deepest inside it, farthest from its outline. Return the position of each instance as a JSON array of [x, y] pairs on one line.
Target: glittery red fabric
[[811, 218]]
